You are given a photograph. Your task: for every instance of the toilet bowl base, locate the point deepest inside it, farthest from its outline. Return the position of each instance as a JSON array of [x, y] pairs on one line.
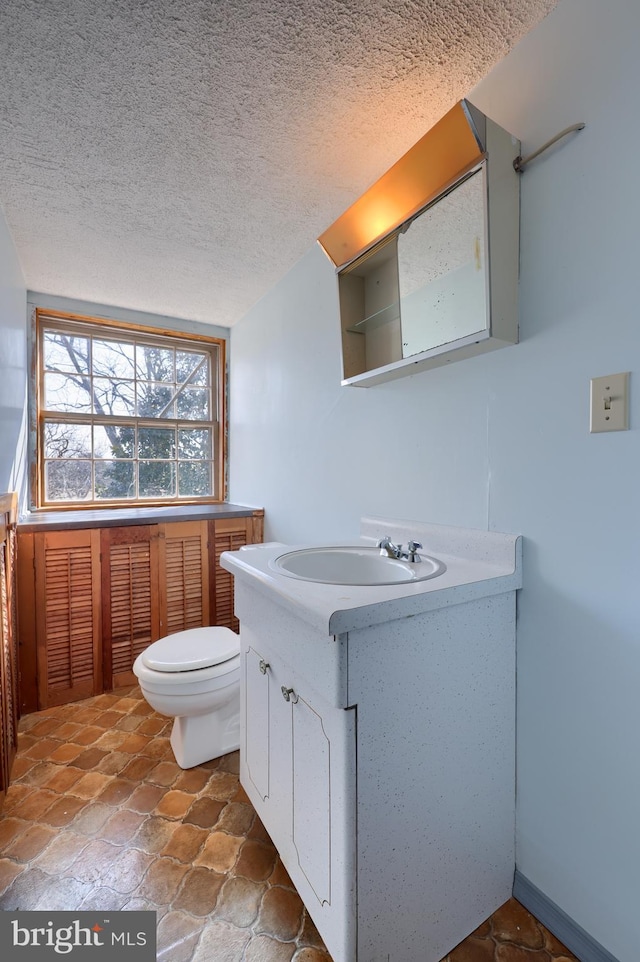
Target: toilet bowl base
[[200, 738]]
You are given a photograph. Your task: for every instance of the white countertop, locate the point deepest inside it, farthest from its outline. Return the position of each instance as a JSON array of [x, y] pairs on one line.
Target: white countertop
[[479, 564]]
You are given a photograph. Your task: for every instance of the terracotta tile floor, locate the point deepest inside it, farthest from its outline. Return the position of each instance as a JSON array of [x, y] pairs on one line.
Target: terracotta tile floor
[[99, 816]]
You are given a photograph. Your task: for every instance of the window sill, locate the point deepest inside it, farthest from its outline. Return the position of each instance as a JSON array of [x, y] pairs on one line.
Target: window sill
[[115, 517]]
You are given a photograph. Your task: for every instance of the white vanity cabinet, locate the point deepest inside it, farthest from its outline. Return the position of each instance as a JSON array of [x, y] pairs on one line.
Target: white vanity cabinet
[[387, 779], [298, 767]]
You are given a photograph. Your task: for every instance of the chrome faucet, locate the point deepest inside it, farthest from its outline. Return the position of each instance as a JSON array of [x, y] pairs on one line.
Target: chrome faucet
[[391, 550], [388, 548]]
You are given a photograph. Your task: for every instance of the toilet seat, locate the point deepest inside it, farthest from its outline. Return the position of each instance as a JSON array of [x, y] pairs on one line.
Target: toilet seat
[[193, 650]]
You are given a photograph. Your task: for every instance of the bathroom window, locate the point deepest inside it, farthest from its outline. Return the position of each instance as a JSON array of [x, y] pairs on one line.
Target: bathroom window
[[126, 415]]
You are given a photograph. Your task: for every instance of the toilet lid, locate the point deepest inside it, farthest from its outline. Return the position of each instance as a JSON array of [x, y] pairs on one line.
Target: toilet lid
[[192, 649]]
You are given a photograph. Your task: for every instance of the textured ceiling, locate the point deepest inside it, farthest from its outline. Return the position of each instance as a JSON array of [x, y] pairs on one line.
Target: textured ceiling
[[178, 156]]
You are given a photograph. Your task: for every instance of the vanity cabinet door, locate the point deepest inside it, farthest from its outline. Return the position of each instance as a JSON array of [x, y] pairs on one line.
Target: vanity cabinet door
[[297, 765], [265, 757], [323, 821], [311, 797]]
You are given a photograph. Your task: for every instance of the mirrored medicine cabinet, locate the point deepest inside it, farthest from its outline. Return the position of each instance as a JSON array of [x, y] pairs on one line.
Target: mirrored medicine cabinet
[[441, 285]]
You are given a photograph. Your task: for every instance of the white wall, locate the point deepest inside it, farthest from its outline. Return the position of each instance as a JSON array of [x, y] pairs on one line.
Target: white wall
[[502, 441], [318, 455], [13, 365], [574, 495], [53, 302]]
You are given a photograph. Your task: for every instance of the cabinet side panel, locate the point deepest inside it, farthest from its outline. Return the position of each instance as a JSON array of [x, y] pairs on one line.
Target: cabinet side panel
[[436, 776], [27, 623], [504, 233], [8, 662], [351, 292], [257, 527], [5, 763], [10, 708], [10, 616]]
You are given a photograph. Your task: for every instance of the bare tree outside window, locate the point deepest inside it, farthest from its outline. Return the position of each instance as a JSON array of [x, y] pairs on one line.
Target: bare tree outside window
[[126, 416]]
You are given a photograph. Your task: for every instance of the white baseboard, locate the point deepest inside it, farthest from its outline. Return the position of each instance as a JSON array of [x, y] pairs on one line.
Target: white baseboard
[[583, 946]]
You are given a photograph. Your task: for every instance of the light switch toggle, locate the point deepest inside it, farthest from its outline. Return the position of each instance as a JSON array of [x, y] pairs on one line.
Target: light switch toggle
[[610, 403]]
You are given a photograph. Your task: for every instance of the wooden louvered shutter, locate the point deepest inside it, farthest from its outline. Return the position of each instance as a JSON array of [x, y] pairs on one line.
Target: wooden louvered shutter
[[8, 737], [68, 616], [184, 576], [230, 534], [130, 598], [8, 642]]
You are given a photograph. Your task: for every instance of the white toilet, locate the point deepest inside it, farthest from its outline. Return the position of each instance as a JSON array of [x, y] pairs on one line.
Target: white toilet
[[194, 675]]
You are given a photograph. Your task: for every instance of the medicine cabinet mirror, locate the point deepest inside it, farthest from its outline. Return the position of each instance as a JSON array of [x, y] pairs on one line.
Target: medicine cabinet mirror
[[441, 270], [443, 285]]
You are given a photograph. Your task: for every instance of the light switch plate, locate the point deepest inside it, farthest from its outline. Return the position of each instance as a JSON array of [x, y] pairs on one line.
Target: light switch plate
[[610, 403]]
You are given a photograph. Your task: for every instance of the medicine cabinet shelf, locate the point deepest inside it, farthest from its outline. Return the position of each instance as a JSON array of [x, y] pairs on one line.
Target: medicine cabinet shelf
[[386, 315], [442, 284]]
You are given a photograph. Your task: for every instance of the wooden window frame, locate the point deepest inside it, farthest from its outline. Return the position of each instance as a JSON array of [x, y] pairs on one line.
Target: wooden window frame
[[94, 326]]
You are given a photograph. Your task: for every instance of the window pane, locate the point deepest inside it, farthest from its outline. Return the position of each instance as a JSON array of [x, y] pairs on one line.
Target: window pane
[[114, 441], [194, 443], [67, 480], [193, 404], [192, 366], [113, 397], [154, 363], [63, 352], [157, 479], [155, 400], [194, 478], [156, 443], [67, 440], [113, 359], [115, 480], [66, 392]]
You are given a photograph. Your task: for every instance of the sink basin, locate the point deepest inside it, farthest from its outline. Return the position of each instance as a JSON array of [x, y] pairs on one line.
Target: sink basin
[[357, 565]]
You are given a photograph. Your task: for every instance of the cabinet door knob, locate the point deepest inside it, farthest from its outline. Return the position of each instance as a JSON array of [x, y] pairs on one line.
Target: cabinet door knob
[[264, 666], [289, 695]]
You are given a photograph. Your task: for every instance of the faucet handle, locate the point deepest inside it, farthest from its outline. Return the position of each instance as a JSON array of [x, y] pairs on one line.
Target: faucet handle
[[412, 550]]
